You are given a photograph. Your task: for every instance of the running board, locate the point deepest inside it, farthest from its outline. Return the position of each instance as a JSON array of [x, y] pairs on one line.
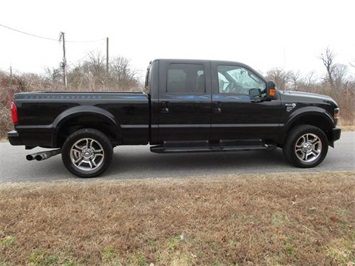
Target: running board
[[205, 146]]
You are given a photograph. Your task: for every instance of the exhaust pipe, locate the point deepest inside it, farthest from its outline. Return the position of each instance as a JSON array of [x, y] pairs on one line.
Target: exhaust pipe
[[42, 155]]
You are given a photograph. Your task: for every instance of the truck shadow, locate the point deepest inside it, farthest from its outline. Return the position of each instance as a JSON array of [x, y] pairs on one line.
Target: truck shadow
[[136, 165]]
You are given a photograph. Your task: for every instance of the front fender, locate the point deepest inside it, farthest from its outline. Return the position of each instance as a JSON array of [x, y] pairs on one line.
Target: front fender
[[311, 115]]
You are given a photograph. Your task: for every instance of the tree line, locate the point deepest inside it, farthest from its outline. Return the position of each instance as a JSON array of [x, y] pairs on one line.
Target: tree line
[[93, 75], [337, 82]]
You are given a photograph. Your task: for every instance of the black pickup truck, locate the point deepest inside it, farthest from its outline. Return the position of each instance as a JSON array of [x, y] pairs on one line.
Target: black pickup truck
[[188, 106]]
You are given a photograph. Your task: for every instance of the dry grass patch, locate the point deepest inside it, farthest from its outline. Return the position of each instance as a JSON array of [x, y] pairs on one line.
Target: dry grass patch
[[280, 219], [348, 128]]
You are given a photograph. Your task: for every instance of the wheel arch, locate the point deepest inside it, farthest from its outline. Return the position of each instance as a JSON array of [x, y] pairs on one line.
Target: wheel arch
[[318, 118], [80, 117]]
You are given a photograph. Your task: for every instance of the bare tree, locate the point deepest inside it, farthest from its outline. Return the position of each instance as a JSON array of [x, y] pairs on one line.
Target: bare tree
[[77, 78], [91, 74], [309, 81], [280, 77], [295, 78], [340, 72], [53, 75], [328, 61], [122, 74], [95, 69]]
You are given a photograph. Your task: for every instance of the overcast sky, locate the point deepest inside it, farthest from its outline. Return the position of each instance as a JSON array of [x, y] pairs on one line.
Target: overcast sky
[[263, 34]]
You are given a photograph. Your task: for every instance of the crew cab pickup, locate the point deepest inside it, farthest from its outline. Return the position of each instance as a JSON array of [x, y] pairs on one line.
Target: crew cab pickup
[[187, 106]]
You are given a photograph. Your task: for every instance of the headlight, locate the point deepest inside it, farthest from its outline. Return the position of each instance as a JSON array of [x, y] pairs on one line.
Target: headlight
[[336, 115]]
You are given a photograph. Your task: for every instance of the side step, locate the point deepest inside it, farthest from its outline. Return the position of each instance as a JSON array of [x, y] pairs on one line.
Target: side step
[[205, 146]]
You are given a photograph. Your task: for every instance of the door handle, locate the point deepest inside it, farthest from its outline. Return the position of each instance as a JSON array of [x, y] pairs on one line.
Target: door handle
[[217, 107], [164, 107]]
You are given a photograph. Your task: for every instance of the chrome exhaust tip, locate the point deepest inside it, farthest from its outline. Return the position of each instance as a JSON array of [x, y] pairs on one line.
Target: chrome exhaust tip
[[42, 155]]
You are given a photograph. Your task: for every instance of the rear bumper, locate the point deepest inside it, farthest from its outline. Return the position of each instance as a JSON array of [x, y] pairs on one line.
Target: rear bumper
[[14, 138], [31, 137], [47, 136]]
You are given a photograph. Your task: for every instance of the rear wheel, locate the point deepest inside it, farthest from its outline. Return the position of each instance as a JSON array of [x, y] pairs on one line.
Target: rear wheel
[[87, 153], [306, 146]]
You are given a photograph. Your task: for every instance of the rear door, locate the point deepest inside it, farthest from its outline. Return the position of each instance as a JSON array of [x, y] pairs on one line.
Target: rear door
[[184, 107]]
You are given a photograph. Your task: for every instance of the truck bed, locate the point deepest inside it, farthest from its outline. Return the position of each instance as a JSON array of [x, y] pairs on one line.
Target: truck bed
[[125, 115]]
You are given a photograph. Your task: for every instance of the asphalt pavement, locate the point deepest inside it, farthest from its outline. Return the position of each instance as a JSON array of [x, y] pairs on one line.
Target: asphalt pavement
[[137, 162]]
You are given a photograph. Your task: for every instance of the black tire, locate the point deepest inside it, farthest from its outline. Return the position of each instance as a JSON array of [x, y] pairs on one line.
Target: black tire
[[87, 153], [306, 146]]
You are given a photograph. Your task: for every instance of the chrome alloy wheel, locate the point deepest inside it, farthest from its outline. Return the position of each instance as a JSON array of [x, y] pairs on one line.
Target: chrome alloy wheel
[[87, 154], [308, 148]]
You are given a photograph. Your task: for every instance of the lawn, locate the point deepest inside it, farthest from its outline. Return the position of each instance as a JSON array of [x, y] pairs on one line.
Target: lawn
[[274, 219]]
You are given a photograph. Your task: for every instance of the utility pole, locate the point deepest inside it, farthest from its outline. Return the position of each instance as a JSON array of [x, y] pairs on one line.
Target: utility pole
[[64, 63], [107, 56]]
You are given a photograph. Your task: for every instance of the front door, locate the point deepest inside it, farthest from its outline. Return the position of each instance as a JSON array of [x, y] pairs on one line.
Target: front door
[[237, 112]]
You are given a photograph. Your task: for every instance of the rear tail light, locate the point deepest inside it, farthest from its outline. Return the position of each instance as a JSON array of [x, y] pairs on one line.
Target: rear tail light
[[14, 114]]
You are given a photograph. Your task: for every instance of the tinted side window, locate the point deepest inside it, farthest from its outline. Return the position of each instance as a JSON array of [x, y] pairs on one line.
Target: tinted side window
[[238, 80], [186, 78]]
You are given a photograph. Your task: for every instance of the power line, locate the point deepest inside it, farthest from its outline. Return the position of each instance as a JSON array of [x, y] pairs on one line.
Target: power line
[[26, 33], [46, 38], [87, 41]]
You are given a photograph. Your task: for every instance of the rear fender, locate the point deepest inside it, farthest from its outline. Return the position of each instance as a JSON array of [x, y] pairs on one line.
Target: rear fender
[[80, 111]]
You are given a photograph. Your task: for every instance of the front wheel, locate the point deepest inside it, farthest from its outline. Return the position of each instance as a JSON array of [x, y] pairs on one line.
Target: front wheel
[[87, 153], [306, 146]]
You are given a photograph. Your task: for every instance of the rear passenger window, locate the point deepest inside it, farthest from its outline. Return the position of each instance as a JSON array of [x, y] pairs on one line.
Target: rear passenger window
[[186, 79]]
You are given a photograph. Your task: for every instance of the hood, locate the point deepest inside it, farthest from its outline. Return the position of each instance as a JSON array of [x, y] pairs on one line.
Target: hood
[[299, 96]]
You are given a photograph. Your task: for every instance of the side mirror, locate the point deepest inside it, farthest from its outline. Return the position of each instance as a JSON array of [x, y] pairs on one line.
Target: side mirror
[[254, 93], [271, 91]]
